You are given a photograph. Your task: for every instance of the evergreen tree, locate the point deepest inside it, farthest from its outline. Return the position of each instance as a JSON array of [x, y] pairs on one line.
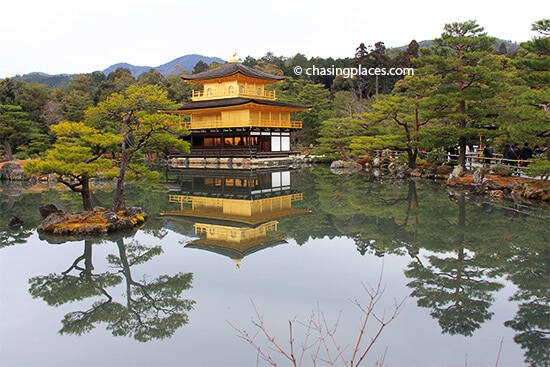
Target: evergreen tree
[[136, 116], [411, 53], [18, 133], [502, 49], [528, 115], [361, 59], [76, 157], [200, 66], [465, 79]]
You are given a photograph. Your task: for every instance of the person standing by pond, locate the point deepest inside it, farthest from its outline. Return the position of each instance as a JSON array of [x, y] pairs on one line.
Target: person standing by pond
[[525, 154], [488, 154], [508, 155]]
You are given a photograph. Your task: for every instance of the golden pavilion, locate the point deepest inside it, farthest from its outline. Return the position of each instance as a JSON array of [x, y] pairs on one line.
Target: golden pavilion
[[235, 115]]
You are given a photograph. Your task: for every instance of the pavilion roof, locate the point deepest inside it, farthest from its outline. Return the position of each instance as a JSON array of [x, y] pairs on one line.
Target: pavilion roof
[[236, 251], [230, 69], [238, 101]]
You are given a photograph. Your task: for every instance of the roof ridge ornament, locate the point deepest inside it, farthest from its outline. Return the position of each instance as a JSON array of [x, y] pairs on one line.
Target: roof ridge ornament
[[234, 59]]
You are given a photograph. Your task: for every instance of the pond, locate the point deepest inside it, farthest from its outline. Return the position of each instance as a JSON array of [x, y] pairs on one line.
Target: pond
[[466, 279]]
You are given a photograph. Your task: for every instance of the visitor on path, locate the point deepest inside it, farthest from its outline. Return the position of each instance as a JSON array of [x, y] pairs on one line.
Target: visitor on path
[[488, 154], [508, 155], [525, 154]]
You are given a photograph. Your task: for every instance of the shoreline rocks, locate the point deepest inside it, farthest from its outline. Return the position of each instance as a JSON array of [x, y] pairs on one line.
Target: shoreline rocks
[[93, 222], [499, 187], [12, 171], [477, 182]]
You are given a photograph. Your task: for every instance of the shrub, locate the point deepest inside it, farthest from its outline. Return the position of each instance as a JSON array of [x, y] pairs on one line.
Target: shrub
[[539, 166]]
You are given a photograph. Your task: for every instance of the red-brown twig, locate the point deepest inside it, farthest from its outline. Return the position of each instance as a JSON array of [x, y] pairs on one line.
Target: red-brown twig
[[325, 347]]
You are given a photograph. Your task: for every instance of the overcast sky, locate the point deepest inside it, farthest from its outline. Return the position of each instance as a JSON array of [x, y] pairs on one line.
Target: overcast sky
[[81, 36]]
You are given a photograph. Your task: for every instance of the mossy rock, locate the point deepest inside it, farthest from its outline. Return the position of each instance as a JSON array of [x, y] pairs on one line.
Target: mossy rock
[[94, 222]]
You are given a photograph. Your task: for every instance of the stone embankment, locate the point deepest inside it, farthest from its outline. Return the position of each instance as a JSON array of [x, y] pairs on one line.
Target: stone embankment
[[11, 171], [473, 182], [497, 186]]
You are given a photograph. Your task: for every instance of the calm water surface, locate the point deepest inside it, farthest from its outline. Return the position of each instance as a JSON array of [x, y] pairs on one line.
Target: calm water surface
[[474, 273]]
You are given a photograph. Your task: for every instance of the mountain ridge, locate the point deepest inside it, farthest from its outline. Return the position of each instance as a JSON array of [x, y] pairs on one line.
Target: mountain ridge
[[178, 65]]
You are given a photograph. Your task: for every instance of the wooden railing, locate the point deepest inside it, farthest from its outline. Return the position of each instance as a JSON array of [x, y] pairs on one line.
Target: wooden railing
[[219, 124], [230, 153], [181, 199], [472, 160], [248, 92]]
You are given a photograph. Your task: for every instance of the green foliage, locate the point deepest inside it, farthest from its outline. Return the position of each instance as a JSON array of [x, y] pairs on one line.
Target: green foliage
[[77, 156], [32, 97], [309, 94], [527, 117], [337, 135], [503, 169], [152, 309], [538, 166], [346, 104], [462, 84], [19, 132], [139, 116], [58, 289], [140, 108], [77, 151]]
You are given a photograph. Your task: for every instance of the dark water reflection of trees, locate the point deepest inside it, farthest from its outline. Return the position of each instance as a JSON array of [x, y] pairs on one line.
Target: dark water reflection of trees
[[153, 309], [461, 250], [150, 308]]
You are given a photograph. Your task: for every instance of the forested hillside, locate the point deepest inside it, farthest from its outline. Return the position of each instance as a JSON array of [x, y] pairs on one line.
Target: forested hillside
[[464, 82]]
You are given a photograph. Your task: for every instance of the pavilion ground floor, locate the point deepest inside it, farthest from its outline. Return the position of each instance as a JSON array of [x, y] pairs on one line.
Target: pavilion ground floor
[[237, 147]]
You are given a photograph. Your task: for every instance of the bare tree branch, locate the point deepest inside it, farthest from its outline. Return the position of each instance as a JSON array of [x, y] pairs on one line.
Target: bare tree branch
[[325, 347]]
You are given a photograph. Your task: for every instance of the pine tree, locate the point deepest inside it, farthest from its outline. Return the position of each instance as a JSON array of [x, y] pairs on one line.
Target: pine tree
[[17, 130], [136, 116], [76, 157], [463, 77]]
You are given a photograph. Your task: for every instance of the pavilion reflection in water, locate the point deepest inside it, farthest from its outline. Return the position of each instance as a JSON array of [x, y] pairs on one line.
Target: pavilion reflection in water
[[235, 211]]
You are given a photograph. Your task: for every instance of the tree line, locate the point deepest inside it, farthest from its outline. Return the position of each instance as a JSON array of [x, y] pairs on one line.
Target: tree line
[[465, 88]]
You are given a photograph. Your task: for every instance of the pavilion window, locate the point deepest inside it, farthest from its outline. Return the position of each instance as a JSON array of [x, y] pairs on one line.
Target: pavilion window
[[212, 142], [285, 143], [275, 143]]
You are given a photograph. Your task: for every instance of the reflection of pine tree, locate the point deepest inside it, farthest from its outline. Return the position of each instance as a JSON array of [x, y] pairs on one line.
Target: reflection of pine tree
[[153, 310], [362, 245], [368, 246], [9, 210], [529, 269], [10, 237], [455, 287], [532, 324], [456, 291]]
